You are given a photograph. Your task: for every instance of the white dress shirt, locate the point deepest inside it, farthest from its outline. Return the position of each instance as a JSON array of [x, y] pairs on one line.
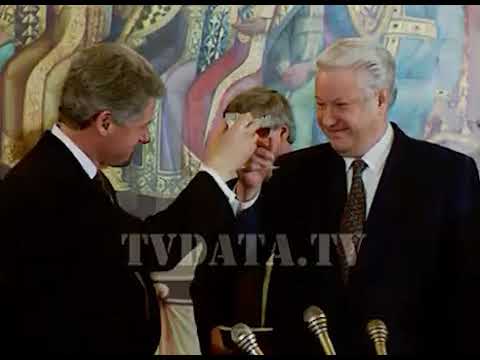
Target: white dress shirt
[[236, 204], [87, 164], [375, 159]]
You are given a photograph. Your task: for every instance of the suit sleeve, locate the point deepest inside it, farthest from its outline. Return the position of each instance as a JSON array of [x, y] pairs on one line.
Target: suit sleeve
[[463, 298], [213, 288], [200, 213]]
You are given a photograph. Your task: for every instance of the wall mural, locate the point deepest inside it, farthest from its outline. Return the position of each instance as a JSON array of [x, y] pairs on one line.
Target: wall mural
[[208, 53]]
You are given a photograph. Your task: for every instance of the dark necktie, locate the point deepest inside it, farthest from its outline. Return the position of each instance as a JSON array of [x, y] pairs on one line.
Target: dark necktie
[[352, 221], [102, 182], [248, 280]]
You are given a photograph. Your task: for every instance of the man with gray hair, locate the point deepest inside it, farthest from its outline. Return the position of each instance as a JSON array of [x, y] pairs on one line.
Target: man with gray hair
[[379, 225], [244, 291], [75, 272]]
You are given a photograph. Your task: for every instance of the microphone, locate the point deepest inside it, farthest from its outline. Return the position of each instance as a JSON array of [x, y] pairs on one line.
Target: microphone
[[317, 324], [377, 330], [245, 339]]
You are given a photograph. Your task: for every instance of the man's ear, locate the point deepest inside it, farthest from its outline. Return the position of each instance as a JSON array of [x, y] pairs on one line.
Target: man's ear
[[284, 132], [382, 99], [103, 122]]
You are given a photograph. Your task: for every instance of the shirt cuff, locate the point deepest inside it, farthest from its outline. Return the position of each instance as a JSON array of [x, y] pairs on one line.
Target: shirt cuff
[[236, 204], [244, 205], [231, 196]]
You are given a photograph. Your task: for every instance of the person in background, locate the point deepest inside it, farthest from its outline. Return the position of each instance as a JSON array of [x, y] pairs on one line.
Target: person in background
[[244, 290]]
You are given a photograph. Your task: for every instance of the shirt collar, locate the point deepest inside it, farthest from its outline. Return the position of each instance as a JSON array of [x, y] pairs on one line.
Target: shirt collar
[[376, 157], [86, 163]]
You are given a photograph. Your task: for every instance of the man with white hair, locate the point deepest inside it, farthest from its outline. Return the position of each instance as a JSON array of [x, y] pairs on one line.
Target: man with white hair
[[401, 217]]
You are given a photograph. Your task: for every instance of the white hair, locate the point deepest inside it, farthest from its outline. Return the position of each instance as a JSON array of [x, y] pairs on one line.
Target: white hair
[[361, 54]]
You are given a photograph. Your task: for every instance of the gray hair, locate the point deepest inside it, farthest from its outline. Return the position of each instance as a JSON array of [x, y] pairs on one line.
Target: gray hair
[[267, 105], [357, 53], [108, 76]]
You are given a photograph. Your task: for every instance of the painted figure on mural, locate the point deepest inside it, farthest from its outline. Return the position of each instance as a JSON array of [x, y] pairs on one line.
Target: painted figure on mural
[[7, 44], [285, 40], [472, 18], [46, 36], [224, 47], [426, 41], [7, 33], [218, 60], [24, 25], [455, 120], [178, 79], [294, 42], [158, 32], [253, 32], [221, 58], [182, 42]]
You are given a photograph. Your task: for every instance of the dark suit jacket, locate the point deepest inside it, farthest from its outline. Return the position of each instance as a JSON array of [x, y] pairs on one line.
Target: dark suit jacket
[[65, 277], [226, 295], [418, 265], [3, 170]]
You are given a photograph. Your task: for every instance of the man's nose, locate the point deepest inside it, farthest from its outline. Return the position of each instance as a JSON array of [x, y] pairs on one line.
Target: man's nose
[[327, 116]]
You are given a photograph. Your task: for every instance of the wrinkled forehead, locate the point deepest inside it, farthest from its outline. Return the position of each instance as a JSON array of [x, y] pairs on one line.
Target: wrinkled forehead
[[339, 84], [263, 121]]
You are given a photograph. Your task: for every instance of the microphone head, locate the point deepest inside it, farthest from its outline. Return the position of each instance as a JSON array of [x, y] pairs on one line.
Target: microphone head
[[317, 324], [245, 339], [239, 332], [312, 313], [316, 320], [377, 330]]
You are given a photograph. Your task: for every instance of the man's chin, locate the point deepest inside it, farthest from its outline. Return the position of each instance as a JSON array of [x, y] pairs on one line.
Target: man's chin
[[125, 163], [121, 165], [341, 148]]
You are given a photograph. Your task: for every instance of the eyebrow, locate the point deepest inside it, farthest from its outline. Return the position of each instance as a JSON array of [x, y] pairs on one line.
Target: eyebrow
[[334, 100]]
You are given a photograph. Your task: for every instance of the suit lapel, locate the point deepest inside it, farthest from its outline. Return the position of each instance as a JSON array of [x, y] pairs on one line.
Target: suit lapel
[[332, 193], [61, 154], [65, 167], [327, 200]]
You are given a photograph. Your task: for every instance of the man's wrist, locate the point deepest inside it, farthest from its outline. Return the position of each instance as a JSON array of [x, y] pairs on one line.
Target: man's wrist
[[245, 195]]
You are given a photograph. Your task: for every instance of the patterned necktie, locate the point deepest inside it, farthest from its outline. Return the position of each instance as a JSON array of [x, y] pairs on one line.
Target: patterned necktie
[[352, 221]]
